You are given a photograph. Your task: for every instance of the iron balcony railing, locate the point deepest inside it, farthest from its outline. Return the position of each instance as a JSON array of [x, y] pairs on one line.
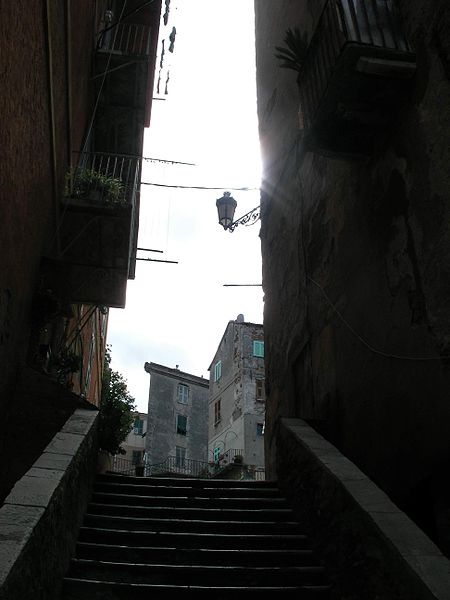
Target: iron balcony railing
[[230, 456], [110, 179], [129, 39], [371, 23]]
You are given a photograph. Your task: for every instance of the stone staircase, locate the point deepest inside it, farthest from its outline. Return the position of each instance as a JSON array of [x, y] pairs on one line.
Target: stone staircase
[[216, 538]]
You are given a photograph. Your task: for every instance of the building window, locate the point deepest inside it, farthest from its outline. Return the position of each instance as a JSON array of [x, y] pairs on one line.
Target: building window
[[137, 457], [260, 391], [218, 370], [181, 424], [138, 427], [259, 429], [216, 454], [180, 456], [104, 321], [258, 348], [90, 361], [217, 415], [183, 393]]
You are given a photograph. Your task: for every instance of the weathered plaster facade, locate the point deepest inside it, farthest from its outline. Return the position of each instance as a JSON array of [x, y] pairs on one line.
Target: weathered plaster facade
[[356, 269], [134, 444], [239, 424], [164, 407]]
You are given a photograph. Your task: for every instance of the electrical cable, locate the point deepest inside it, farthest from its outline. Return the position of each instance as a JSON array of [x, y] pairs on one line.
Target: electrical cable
[[200, 187], [365, 342]]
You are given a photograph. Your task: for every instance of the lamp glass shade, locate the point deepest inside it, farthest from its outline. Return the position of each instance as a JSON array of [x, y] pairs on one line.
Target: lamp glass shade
[[226, 206]]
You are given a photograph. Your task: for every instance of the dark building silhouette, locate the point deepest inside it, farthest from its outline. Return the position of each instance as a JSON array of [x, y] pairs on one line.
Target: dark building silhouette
[[355, 237], [77, 83]]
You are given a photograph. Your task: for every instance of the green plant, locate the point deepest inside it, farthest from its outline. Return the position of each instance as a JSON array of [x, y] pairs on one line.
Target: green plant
[[294, 55], [81, 183], [64, 364], [116, 409]]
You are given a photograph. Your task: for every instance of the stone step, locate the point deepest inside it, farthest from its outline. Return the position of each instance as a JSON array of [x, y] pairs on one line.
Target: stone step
[[190, 540], [191, 525], [188, 512], [197, 556], [186, 481], [159, 537], [79, 589], [138, 488], [200, 575], [191, 501]]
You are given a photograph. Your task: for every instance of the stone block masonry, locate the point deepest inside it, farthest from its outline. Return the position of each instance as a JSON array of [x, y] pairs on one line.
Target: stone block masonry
[[40, 518], [371, 548]]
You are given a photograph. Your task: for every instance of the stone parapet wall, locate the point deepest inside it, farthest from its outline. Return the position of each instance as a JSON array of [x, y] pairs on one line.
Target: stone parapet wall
[[371, 548], [40, 518]]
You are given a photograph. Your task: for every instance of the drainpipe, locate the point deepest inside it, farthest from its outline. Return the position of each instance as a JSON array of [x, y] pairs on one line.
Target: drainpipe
[[69, 82], [47, 24]]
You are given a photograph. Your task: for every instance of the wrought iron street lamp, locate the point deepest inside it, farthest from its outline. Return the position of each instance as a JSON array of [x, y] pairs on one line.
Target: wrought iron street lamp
[[226, 206]]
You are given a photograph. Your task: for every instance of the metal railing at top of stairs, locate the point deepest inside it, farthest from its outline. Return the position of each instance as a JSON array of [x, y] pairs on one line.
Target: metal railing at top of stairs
[[173, 466]]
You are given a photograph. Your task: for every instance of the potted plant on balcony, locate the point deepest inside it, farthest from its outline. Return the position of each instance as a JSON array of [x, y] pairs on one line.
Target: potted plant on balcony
[[294, 54], [93, 186], [64, 364]]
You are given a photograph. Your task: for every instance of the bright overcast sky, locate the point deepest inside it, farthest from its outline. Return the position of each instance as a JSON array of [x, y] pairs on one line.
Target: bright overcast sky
[[176, 313]]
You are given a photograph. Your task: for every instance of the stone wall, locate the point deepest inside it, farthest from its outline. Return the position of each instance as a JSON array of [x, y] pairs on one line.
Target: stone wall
[[40, 518], [369, 547]]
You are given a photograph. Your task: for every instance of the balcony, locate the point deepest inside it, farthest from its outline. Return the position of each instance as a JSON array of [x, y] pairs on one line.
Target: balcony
[[126, 39], [98, 231], [355, 75], [124, 72]]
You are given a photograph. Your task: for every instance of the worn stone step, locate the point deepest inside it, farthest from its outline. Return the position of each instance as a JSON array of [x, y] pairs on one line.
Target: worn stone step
[[188, 512], [222, 539], [191, 501], [200, 575], [191, 525], [197, 556], [187, 481], [139, 488], [190, 540], [76, 589]]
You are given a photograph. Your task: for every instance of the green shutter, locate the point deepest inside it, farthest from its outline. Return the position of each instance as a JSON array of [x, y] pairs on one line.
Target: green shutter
[[258, 348], [217, 370]]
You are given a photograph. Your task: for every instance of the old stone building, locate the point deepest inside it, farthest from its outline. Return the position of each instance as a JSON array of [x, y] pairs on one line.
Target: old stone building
[[177, 422], [237, 396], [355, 236], [134, 444]]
